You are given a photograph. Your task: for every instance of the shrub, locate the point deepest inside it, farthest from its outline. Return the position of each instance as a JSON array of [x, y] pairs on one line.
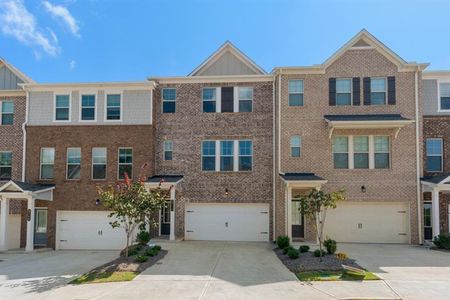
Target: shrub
[[132, 250], [282, 241], [143, 237], [304, 248], [157, 247], [317, 253], [293, 253], [141, 258], [341, 256], [151, 252], [330, 245], [442, 241], [286, 249]]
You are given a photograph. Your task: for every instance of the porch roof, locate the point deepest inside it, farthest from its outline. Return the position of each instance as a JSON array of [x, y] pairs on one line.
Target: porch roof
[[17, 189], [439, 182], [301, 180], [165, 178]]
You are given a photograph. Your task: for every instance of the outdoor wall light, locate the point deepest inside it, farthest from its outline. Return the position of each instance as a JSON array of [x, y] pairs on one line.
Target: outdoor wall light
[[97, 202], [363, 189], [226, 192]]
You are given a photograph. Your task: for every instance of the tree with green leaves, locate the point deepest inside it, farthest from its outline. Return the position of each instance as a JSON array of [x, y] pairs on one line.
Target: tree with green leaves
[[315, 205], [131, 204]]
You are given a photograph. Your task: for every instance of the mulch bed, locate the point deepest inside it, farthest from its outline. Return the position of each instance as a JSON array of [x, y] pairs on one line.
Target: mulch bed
[[308, 262]]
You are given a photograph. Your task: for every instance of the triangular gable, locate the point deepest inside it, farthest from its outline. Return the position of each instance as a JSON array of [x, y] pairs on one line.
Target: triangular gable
[[10, 76], [10, 186], [446, 180], [227, 60]]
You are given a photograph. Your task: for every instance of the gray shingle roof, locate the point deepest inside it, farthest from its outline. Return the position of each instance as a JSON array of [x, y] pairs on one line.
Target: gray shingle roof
[[366, 117], [32, 187], [300, 177], [165, 178], [435, 178]]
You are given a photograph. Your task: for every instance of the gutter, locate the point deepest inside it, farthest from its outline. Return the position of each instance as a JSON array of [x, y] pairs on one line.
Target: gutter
[[274, 159], [24, 132], [418, 164]]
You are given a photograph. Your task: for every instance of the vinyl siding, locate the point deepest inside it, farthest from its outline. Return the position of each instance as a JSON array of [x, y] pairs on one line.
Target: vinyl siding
[[227, 64], [8, 81]]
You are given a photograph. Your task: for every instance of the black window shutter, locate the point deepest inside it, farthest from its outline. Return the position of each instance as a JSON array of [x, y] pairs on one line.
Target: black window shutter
[[366, 83], [391, 90], [332, 92], [227, 99], [356, 91]]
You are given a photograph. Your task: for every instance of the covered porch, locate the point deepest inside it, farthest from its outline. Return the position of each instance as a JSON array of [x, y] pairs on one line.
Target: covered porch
[[26, 192]]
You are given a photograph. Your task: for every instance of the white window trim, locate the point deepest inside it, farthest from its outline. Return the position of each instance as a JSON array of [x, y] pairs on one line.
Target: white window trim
[[351, 92], [235, 155], [302, 93], [368, 150], [67, 163], [385, 90], [441, 156], [105, 164], [215, 156], [1, 111], [164, 149], [217, 96], [41, 164], [86, 93], [162, 99], [238, 156], [118, 162], [299, 145], [236, 105], [10, 166], [105, 115], [389, 152], [232, 155], [69, 93], [439, 81]]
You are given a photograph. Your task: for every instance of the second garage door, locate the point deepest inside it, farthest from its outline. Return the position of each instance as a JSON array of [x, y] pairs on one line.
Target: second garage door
[[368, 222], [227, 222]]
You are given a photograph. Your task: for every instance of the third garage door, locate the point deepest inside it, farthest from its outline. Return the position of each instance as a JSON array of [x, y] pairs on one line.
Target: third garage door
[[227, 222]]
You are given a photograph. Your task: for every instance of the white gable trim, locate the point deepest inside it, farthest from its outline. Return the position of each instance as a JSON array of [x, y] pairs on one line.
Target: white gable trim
[[16, 72], [11, 183]]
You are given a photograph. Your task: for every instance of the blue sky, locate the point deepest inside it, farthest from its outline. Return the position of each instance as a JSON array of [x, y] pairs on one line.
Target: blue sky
[[123, 40]]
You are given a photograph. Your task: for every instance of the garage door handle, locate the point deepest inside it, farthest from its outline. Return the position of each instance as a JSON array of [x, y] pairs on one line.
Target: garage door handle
[[63, 240], [189, 230], [402, 211], [402, 234], [264, 212], [63, 220], [189, 211], [264, 232]]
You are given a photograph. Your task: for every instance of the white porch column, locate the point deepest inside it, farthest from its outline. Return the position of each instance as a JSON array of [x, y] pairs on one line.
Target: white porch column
[[30, 225], [4, 223], [289, 212], [172, 215], [435, 212]]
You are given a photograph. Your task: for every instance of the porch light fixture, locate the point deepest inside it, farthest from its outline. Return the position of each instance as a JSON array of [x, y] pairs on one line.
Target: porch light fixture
[[97, 202], [363, 189], [226, 192]]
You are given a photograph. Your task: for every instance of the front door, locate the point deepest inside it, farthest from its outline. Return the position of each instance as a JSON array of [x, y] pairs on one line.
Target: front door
[[40, 227], [298, 229], [427, 221], [165, 218]]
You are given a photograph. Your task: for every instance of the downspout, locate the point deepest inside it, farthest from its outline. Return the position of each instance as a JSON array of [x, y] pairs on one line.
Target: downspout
[[274, 159], [24, 132], [279, 150], [418, 163]]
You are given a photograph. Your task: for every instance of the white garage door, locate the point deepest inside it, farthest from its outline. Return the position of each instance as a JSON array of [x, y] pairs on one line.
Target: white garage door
[[371, 222], [227, 222], [88, 230]]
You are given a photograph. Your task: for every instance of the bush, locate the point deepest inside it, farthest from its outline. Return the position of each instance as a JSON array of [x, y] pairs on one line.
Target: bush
[[286, 249], [282, 241], [141, 258], [330, 245], [293, 253], [157, 247], [342, 256], [143, 237], [317, 253], [304, 248], [442, 241], [151, 252], [132, 250]]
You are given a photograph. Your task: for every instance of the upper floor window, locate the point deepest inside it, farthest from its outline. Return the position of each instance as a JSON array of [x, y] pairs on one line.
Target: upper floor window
[[209, 99], [434, 150], [47, 163], [381, 152], [209, 155], [113, 107], [88, 108], [125, 162], [444, 96], [245, 99], [226, 155], [169, 97], [7, 112], [168, 150], [73, 163], [98, 163], [295, 92], [245, 155], [343, 91], [378, 91], [296, 143], [62, 107], [5, 165], [340, 152]]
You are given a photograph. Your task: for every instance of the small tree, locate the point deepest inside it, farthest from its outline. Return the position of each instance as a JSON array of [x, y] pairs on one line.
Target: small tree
[[130, 203], [315, 205]]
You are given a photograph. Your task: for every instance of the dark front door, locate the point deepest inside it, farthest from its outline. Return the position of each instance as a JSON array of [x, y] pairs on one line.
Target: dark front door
[[165, 219], [40, 227], [427, 221], [298, 228]]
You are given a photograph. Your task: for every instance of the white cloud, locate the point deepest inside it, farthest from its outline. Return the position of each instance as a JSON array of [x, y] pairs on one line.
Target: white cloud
[[72, 64], [18, 22], [61, 12]]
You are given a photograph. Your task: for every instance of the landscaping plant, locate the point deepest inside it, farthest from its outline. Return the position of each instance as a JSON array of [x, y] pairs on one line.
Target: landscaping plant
[[341, 256], [286, 249], [283, 241], [293, 253], [143, 237], [141, 258], [304, 248], [442, 241], [330, 245], [319, 253]]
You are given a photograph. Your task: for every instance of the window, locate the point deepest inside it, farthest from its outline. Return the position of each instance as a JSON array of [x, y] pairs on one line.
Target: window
[[296, 143], [168, 150], [47, 162], [245, 155], [98, 163], [208, 155], [361, 152], [340, 152], [169, 97], [343, 91], [245, 99], [381, 150], [434, 155], [226, 155], [444, 95], [62, 107], [125, 162], [7, 112], [88, 107], [73, 163], [209, 100], [295, 92], [5, 165], [377, 91], [113, 107]]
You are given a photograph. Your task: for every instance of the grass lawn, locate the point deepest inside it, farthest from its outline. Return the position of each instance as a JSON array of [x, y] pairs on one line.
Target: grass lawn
[[334, 276], [101, 277]]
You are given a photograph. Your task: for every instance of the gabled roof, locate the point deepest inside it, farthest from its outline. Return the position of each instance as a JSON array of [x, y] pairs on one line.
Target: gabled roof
[[19, 186], [366, 117], [301, 177], [228, 49], [165, 178], [437, 179], [16, 71]]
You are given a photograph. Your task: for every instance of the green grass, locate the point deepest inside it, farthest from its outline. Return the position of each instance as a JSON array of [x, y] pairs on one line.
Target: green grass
[[105, 277], [334, 276]]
